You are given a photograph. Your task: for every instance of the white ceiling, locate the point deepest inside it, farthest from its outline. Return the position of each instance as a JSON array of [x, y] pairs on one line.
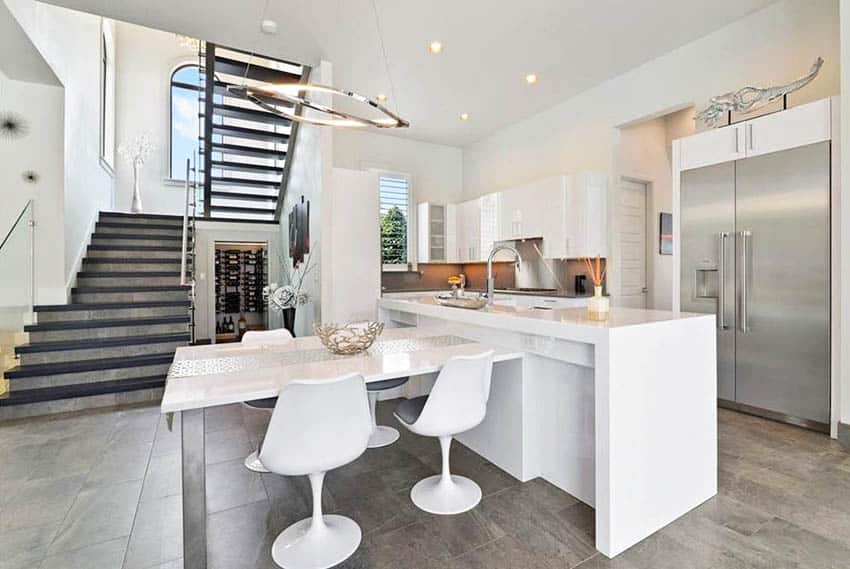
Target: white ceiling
[[490, 45], [19, 58]]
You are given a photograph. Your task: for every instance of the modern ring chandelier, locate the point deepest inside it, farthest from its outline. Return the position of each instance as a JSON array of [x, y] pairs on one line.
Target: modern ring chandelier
[[263, 97], [269, 97]]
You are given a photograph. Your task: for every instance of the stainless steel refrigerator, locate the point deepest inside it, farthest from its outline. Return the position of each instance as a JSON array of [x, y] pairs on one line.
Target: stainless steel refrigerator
[[755, 243]]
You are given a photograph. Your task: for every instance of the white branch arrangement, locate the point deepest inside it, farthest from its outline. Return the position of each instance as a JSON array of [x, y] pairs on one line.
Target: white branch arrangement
[[291, 294]]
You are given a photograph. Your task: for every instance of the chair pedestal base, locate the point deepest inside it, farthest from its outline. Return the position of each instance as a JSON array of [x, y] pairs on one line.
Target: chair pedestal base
[[304, 546], [437, 496], [252, 463], [382, 436]]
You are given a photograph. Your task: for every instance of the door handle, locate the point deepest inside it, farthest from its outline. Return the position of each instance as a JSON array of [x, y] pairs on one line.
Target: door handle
[[750, 129], [744, 324], [735, 131], [721, 277]]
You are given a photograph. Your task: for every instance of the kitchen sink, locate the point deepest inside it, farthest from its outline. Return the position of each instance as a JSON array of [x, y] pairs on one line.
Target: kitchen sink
[[468, 302]]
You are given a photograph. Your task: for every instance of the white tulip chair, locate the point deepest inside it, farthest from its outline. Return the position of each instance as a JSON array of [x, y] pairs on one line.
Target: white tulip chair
[[317, 426], [257, 338], [457, 403]]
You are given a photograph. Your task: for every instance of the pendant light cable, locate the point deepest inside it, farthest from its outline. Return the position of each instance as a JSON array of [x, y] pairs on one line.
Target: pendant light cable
[[384, 52]]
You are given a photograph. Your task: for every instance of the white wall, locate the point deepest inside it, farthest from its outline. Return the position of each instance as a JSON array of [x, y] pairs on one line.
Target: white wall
[[70, 43], [436, 170], [354, 238], [643, 152], [41, 151], [311, 171], [145, 59], [773, 45]]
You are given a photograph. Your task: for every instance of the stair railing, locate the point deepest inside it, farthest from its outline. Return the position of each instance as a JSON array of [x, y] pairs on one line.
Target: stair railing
[[190, 200], [17, 266]]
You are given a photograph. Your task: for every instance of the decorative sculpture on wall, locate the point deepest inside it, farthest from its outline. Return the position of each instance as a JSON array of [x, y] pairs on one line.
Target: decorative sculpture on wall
[[12, 125], [30, 177], [750, 99], [299, 232]]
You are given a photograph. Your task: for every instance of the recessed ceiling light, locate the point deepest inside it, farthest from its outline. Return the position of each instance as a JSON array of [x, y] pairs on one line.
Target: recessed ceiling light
[[435, 47], [268, 27], [382, 98], [464, 117], [531, 78]]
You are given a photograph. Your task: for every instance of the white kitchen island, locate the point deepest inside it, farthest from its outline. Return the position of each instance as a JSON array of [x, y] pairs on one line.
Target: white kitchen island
[[621, 414]]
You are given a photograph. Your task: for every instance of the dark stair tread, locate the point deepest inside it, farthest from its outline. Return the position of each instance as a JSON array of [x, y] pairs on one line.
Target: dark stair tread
[[25, 396], [241, 220], [94, 343], [125, 225], [109, 305], [60, 368], [253, 71], [243, 113], [137, 236], [121, 214], [119, 274], [220, 88], [250, 133], [235, 209], [231, 181], [243, 196], [242, 150], [246, 167], [105, 323], [131, 261], [152, 288], [119, 247]]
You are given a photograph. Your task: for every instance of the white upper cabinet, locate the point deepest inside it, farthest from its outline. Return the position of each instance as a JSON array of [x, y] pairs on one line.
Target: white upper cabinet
[[798, 126], [477, 228], [712, 147], [584, 231], [431, 230], [521, 211]]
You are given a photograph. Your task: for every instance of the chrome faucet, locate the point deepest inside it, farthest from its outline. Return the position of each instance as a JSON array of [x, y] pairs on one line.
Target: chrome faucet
[[491, 282]]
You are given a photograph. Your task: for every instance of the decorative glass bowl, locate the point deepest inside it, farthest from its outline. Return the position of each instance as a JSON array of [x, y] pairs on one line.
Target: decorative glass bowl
[[349, 339]]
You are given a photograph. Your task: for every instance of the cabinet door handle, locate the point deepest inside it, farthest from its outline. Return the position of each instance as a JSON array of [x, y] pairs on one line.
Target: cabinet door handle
[[744, 325], [750, 129], [737, 132], [721, 277]]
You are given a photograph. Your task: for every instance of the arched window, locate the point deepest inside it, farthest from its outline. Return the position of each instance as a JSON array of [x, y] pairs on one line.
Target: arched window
[[185, 87]]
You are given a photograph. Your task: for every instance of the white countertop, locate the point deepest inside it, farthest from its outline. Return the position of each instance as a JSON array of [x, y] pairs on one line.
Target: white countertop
[[567, 323], [265, 377]]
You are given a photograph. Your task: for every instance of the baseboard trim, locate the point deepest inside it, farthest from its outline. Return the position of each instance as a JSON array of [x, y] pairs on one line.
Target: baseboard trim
[[844, 435]]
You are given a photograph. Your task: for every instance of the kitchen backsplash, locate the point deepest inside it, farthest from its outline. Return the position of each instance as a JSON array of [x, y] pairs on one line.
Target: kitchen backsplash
[[533, 273], [434, 276]]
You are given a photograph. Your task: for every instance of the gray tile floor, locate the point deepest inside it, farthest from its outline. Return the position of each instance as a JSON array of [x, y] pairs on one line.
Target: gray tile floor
[[102, 491]]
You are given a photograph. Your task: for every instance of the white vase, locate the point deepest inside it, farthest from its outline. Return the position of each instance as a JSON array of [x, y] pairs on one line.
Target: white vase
[[598, 306], [136, 206]]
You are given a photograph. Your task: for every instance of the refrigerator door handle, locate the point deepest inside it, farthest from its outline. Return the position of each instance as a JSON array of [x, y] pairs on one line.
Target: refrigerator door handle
[[744, 324], [721, 277]]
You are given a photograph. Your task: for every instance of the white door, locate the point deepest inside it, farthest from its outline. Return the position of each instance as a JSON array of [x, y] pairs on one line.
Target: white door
[[631, 245]]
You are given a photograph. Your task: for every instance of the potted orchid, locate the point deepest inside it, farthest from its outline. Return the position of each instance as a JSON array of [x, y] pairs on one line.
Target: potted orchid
[[286, 298]]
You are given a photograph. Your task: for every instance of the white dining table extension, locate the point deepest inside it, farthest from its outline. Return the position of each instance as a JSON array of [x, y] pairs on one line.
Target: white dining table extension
[[213, 375]]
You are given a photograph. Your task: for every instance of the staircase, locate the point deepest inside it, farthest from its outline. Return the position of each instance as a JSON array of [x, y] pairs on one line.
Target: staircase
[[114, 342], [245, 150]]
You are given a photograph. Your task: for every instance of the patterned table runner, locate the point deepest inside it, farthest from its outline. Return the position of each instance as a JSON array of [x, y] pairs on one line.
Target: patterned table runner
[[253, 361]]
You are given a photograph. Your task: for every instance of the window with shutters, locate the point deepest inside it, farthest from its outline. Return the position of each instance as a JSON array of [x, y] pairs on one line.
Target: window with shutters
[[395, 221]]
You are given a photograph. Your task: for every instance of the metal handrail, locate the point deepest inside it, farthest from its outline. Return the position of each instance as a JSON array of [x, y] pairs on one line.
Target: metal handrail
[[17, 221], [184, 251]]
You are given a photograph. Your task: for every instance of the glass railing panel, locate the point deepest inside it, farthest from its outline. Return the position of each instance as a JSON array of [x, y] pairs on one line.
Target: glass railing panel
[[17, 287]]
